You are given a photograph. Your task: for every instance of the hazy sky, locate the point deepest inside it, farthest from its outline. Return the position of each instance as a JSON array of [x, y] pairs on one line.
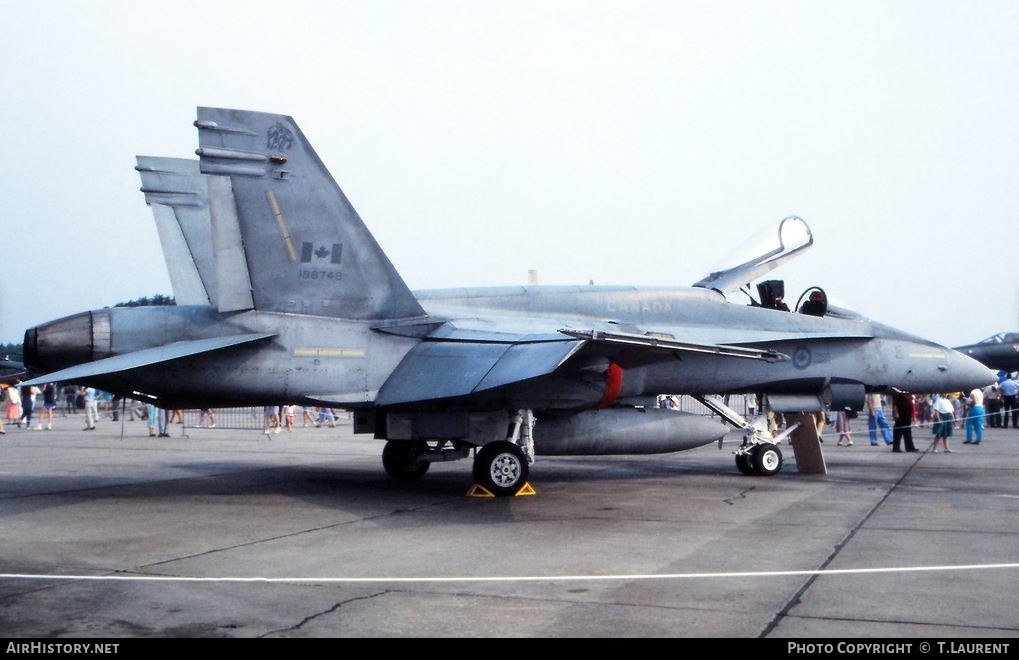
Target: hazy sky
[[624, 142]]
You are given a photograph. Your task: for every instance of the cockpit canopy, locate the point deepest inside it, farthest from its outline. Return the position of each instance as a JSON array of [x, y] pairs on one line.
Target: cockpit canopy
[[759, 255], [1002, 338]]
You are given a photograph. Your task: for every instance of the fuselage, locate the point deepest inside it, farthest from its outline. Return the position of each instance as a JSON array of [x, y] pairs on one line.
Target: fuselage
[[316, 359], [840, 347]]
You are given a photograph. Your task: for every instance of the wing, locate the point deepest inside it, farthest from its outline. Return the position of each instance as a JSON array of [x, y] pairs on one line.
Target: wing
[[448, 369], [454, 363], [658, 343]]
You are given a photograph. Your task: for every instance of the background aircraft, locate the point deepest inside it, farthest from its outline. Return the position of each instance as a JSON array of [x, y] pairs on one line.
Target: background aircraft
[[10, 370], [998, 352], [291, 300]]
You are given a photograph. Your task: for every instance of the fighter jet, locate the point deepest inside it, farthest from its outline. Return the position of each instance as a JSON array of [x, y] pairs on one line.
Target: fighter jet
[[10, 370], [998, 352], [289, 299]]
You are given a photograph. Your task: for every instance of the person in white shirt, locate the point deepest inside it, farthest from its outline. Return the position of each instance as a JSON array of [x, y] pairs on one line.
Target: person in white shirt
[[975, 418], [876, 419], [91, 408], [943, 427]]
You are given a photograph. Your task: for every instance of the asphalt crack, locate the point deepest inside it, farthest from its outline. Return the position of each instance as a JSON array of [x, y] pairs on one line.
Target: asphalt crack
[[331, 610], [205, 553], [215, 474], [797, 598], [731, 501], [560, 600], [903, 622]]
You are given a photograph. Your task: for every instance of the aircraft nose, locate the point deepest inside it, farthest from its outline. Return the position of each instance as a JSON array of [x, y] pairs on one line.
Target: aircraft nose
[[965, 373]]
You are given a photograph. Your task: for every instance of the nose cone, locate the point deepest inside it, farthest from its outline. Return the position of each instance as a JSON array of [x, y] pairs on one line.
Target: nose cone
[[964, 373]]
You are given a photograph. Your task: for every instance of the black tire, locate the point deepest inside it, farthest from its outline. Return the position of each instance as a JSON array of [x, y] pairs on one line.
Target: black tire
[[767, 459], [501, 467], [400, 459], [745, 464]]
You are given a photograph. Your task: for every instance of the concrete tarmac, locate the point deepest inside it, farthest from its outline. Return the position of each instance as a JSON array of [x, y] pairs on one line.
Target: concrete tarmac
[[679, 545]]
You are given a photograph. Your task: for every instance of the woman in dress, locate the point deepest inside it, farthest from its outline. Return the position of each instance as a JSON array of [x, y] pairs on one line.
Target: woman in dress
[[943, 427]]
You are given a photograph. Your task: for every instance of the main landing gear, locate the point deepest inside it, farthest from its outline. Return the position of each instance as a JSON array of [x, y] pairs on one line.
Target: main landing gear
[[404, 461], [501, 467]]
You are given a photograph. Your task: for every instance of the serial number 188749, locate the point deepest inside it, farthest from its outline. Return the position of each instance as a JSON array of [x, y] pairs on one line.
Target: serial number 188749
[[310, 274]]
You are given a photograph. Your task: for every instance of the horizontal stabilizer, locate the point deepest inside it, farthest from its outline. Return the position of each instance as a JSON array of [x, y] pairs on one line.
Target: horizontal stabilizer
[[147, 357], [442, 370]]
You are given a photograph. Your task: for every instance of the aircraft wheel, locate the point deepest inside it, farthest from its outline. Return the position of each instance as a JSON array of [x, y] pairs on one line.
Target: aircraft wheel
[[745, 463], [767, 459], [501, 467], [400, 459]]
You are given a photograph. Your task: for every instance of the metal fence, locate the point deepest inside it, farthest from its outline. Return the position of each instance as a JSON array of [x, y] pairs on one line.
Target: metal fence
[[245, 418], [744, 404], [254, 417]]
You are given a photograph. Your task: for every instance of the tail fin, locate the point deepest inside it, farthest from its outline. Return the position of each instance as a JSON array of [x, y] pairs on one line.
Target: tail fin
[[197, 221], [306, 248], [175, 190]]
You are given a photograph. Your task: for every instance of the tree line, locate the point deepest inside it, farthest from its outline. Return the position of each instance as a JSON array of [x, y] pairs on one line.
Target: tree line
[[155, 301], [16, 351]]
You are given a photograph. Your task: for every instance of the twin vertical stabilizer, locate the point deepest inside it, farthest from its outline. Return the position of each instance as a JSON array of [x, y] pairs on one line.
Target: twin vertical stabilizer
[[259, 223], [307, 251]]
